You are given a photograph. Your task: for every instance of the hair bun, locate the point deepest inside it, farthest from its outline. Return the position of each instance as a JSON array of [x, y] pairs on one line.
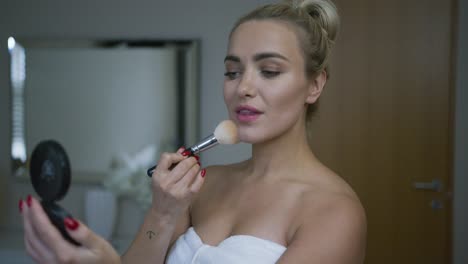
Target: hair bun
[[325, 13]]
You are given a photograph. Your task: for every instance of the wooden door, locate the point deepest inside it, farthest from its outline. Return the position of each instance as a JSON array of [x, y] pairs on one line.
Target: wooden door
[[384, 123]]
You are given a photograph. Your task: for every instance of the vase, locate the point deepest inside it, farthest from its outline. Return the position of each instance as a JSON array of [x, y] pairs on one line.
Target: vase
[[100, 212]]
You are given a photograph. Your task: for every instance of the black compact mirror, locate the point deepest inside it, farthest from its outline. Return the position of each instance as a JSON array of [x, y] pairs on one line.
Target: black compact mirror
[[51, 176]]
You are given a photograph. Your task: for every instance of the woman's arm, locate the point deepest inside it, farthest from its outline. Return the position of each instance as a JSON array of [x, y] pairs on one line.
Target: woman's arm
[[174, 188], [332, 233], [154, 238]]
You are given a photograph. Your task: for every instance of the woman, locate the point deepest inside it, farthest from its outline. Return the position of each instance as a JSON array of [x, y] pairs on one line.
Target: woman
[[282, 205]]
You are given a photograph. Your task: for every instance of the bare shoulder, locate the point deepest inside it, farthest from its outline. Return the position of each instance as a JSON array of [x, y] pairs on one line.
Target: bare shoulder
[[333, 220], [338, 210]]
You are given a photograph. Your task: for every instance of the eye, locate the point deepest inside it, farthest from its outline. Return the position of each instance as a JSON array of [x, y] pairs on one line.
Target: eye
[[270, 74], [231, 75]]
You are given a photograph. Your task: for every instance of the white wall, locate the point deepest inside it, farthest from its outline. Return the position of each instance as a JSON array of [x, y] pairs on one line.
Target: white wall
[[460, 206], [122, 100]]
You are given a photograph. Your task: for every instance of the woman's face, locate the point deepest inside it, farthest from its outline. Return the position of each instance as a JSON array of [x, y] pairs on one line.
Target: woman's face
[[265, 87]]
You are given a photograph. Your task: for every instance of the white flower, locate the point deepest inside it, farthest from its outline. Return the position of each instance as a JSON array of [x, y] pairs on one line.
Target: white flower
[[127, 176]]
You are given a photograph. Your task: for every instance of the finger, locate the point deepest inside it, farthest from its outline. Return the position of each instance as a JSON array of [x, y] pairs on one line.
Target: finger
[[198, 182], [188, 178], [34, 245], [181, 170], [180, 150], [31, 251], [82, 234], [166, 160], [44, 229], [27, 230]]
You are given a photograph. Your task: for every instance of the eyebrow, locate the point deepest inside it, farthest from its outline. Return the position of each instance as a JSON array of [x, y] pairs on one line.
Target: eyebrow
[[257, 57]]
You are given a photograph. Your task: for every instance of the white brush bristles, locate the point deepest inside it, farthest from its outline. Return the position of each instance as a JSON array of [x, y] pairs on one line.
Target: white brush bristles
[[226, 132]]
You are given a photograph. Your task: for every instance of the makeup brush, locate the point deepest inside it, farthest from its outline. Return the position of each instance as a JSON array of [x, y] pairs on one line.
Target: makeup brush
[[224, 133]]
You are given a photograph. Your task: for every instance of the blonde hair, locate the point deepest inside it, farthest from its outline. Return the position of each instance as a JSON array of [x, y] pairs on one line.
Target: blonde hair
[[317, 22]]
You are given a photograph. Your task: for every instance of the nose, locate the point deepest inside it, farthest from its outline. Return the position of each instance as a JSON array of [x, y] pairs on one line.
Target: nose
[[246, 86]]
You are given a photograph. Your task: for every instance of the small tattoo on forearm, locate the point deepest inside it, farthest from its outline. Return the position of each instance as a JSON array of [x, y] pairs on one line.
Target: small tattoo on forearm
[[150, 234]]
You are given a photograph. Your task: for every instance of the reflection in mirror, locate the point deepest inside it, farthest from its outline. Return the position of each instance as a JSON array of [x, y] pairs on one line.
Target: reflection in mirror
[[102, 98]]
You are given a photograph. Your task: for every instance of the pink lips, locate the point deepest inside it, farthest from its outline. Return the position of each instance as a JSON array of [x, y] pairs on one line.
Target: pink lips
[[245, 113]]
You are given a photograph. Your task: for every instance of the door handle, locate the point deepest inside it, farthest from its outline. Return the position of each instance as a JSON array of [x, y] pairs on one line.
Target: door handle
[[436, 204], [435, 185]]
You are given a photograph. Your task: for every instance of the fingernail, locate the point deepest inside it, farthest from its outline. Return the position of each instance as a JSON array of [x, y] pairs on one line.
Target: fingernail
[[71, 223], [203, 172], [186, 153], [197, 157], [180, 149], [20, 205], [29, 200], [199, 164]]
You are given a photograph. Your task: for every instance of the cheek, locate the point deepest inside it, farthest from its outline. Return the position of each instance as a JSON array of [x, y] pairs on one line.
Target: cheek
[[286, 107], [227, 94], [288, 110], [289, 100]]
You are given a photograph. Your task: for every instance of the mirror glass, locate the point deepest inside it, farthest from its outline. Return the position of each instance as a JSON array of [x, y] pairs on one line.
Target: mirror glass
[[102, 99]]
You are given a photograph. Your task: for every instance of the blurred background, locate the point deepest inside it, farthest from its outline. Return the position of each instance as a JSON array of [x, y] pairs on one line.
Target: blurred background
[[393, 118]]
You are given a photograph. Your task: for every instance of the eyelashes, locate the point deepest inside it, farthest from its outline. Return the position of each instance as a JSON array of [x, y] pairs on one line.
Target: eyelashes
[[270, 74], [267, 74], [231, 75]]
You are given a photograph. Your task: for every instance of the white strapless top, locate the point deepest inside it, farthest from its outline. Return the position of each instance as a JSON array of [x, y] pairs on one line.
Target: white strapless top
[[189, 248]]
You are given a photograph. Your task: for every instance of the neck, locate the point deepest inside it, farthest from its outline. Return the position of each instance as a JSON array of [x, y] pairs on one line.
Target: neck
[[281, 155]]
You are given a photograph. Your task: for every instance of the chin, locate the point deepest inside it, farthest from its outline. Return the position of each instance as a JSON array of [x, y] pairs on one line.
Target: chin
[[252, 135], [253, 132], [245, 135]]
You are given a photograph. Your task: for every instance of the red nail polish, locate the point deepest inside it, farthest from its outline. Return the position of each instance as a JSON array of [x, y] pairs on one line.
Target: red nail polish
[[186, 153], [71, 223], [197, 157], [203, 172], [199, 164], [29, 200], [20, 205]]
